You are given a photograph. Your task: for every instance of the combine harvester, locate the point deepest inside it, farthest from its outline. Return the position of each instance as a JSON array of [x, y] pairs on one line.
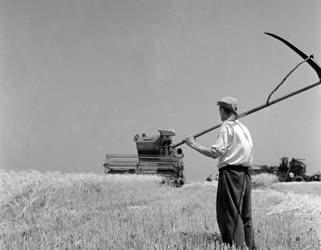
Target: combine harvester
[[155, 157], [287, 171]]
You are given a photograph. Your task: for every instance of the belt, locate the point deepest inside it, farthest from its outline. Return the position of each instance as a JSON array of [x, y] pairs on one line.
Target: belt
[[239, 168]]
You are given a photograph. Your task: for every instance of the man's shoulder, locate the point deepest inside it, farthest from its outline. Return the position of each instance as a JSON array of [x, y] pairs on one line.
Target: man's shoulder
[[240, 123], [231, 124], [244, 128], [227, 126]]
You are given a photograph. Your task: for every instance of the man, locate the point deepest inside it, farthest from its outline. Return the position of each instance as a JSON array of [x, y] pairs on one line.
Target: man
[[233, 148]]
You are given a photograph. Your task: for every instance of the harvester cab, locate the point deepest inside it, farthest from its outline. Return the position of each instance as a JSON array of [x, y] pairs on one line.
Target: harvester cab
[[155, 156], [294, 170]]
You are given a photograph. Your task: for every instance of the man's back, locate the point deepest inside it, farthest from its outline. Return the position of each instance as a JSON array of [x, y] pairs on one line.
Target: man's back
[[238, 144]]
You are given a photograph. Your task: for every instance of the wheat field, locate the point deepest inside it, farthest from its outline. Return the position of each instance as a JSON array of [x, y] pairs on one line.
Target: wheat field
[[89, 211]]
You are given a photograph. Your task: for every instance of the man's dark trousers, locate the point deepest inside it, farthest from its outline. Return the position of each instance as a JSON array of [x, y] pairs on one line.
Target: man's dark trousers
[[233, 206]]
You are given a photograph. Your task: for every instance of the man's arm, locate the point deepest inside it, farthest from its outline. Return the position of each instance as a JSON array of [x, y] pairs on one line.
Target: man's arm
[[219, 148], [190, 141]]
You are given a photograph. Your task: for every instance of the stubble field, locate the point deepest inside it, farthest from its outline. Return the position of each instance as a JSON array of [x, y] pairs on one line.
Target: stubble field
[[90, 211]]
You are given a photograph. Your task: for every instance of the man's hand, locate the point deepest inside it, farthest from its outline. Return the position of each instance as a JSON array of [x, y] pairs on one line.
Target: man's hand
[[189, 140]]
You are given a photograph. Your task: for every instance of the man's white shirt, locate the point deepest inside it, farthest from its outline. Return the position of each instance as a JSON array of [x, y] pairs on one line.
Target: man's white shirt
[[233, 145]]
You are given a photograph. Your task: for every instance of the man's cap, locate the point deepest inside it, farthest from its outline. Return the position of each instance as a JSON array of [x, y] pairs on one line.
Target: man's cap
[[229, 103]]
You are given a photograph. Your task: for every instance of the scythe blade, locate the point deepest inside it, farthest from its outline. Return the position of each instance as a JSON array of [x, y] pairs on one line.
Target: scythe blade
[[312, 63]]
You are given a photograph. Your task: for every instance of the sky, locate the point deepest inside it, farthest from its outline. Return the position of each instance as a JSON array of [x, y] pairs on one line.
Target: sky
[[79, 78]]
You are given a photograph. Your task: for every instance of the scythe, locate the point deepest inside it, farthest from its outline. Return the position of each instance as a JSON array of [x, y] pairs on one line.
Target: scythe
[[309, 59]]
